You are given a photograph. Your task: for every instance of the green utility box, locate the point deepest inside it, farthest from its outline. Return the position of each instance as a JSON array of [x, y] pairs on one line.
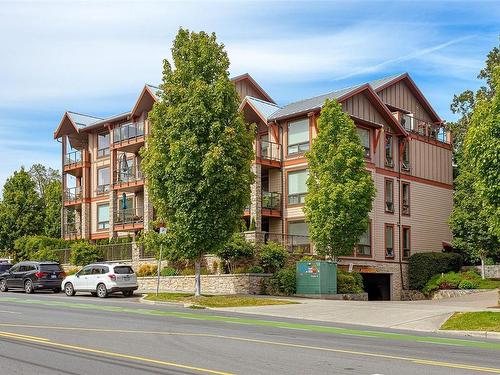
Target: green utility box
[[316, 277]]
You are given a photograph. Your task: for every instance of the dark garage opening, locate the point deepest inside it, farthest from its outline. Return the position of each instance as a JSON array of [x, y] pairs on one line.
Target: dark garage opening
[[377, 285]]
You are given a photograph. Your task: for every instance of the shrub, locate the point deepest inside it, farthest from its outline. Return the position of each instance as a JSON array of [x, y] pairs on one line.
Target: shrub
[[189, 271], [349, 282], [273, 257], [235, 250], [466, 284], [423, 266], [283, 282], [72, 271], [252, 224], [168, 271], [46, 255], [146, 270], [26, 247], [255, 269], [83, 253]]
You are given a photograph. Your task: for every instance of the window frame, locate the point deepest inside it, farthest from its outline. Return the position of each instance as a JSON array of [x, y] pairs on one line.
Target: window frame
[[406, 212], [389, 137], [358, 254], [103, 228], [386, 180], [298, 145], [403, 249], [368, 150], [103, 190], [301, 196], [103, 152], [388, 225], [405, 164]]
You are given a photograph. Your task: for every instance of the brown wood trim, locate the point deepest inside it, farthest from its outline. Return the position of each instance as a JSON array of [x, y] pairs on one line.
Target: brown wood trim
[[286, 205], [388, 260], [421, 180], [248, 77], [299, 160], [385, 196], [99, 235], [365, 123], [389, 225], [421, 138]]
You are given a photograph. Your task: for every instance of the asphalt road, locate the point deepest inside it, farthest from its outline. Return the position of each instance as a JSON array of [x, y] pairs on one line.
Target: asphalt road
[[55, 334]]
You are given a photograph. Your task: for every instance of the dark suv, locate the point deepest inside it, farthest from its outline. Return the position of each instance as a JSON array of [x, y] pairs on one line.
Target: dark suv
[[31, 276], [4, 266]]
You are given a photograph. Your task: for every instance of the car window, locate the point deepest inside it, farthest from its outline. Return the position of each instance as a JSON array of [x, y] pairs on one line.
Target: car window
[[23, 268], [85, 271], [104, 269], [96, 271], [124, 270], [15, 268], [50, 267]]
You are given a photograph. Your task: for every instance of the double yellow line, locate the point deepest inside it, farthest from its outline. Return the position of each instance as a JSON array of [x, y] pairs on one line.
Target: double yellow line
[[235, 338]]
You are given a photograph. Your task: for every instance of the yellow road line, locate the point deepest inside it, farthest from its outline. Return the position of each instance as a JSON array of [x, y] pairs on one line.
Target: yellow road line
[[276, 343], [45, 341]]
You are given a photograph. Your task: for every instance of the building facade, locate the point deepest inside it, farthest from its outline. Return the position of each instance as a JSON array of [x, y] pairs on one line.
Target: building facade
[[406, 150]]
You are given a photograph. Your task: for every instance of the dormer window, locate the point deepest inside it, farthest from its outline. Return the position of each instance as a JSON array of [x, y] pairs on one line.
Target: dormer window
[[389, 161]]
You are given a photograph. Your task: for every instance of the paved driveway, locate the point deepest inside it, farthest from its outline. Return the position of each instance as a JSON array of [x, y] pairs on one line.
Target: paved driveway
[[414, 315]]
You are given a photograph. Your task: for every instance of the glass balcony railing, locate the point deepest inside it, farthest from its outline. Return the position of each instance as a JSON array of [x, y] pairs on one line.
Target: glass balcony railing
[[73, 157], [128, 174], [271, 201], [268, 150], [128, 131], [72, 230], [425, 128], [73, 194], [129, 216]]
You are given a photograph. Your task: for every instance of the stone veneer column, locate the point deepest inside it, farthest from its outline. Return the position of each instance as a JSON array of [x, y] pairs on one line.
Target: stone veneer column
[[148, 210], [85, 220], [256, 197], [113, 196]]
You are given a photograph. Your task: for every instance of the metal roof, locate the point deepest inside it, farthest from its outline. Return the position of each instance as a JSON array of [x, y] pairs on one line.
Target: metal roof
[[266, 109], [155, 90], [82, 120], [382, 81]]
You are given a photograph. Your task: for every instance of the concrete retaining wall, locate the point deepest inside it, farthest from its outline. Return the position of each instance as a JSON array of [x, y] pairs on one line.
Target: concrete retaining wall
[[452, 293], [247, 283], [490, 272], [344, 297]]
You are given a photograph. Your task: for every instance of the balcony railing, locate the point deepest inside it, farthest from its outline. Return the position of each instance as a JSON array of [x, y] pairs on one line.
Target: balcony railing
[[115, 252], [102, 189], [73, 194], [129, 216], [271, 201], [299, 198], [73, 157], [293, 243], [128, 174], [128, 132], [425, 128], [72, 230], [268, 150]]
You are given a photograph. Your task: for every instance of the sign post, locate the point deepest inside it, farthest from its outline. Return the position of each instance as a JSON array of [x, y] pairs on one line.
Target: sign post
[[163, 232]]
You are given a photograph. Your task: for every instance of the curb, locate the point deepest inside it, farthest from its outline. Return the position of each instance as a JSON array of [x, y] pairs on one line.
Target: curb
[[479, 334], [188, 305]]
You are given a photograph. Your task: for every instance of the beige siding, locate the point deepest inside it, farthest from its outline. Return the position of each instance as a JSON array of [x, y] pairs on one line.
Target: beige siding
[[275, 180], [360, 106], [431, 162], [274, 225], [244, 88], [400, 96]]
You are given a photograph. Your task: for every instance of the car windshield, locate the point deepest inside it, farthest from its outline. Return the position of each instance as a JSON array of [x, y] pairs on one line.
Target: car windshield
[[124, 270], [50, 267]]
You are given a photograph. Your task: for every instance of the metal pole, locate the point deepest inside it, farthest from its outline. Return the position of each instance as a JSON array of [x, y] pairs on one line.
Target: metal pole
[[159, 268]]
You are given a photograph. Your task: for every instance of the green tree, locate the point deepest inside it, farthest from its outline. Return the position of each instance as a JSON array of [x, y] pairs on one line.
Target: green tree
[[235, 250], [340, 190], [21, 210], [53, 206], [199, 156], [43, 176]]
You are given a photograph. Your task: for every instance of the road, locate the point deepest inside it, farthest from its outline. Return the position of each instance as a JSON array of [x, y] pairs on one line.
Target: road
[[54, 334]]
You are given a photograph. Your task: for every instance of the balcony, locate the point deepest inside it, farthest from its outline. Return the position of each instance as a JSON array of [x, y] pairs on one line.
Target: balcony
[[129, 137], [425, 129], [72, 231], [128, 178], [292, 243], [73, 196], [268, 153], [271, 204], [129, 219], [73, 163], [102, 189]]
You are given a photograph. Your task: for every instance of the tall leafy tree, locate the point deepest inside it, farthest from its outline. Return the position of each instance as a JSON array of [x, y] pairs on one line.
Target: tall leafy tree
[[43, 176], [21, 210], [198, 158], [53, 205], [340, 190]]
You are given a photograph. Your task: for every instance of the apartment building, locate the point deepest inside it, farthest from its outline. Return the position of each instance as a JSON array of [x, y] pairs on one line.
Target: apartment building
[[406, 150]]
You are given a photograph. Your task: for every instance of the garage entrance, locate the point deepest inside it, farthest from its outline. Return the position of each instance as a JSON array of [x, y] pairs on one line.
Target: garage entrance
[[377, 285]]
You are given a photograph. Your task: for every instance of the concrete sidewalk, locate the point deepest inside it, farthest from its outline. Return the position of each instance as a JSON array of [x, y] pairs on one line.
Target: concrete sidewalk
[[412, 315]]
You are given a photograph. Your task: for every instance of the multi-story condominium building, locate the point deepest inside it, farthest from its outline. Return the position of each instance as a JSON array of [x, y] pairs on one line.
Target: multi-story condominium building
[[406, 150]]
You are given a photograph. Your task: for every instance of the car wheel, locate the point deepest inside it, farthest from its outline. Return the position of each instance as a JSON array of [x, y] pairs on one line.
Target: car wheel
[[128, 293], [93, 294], [3, 286], [69, 289], [57, 290], [102, 292], [28, 287]]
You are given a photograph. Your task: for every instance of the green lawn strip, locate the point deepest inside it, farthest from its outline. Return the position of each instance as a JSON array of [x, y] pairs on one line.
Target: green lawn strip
[[216, 301], [474, 321], [488, 284], [264, 323]]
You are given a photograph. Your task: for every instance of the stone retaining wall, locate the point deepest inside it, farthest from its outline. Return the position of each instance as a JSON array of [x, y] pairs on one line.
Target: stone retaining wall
[[490, 272], [344, 297], [452, 293], [412, 295], [247, 283]]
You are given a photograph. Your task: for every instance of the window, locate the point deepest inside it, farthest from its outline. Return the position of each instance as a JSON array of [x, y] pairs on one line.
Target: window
[[298, 136], [389, 162], [364, 247], [102, 145], [103, 180], [364, 137], [406, 242], [407, 121], [298, 236], [103, 216], [85, 271], [405, 199], [123, 270], [405, 160], [389, 240], [297, 188], [389, 195]]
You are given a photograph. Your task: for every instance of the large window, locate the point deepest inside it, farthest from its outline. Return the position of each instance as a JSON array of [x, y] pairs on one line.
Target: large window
[[103, 216], [298, 136], [389, 162], [405, 199], [297, 188], [103, 180], [389, 195], [298, 237], [406, 242], [102, 145], [364, 137], [389, 240], [364, 247]]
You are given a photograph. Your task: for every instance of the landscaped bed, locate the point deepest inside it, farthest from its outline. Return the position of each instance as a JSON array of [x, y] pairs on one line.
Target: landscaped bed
[[474, 321], [216, 301]]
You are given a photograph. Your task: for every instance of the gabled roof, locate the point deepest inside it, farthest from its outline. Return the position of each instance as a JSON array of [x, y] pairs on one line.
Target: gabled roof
[[72, 122], [80, 120], [257, 87], [155, 90], [382, 82], [266, 109]]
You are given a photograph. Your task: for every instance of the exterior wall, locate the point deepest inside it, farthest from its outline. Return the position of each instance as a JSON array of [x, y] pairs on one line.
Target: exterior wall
[[244, 88], [360, 106], [432, 162]]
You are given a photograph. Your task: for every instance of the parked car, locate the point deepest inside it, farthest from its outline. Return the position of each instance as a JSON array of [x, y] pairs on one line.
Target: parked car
[[102, 279], [4, 266], [32, 276]]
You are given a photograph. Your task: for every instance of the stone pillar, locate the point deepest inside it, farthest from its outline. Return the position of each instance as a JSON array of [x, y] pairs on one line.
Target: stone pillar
[[136, 254], [148, 210], [113, 209], [85, 220], [256, 197]]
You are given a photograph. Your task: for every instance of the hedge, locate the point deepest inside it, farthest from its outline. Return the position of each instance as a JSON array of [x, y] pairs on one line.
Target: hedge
[[423, 266]]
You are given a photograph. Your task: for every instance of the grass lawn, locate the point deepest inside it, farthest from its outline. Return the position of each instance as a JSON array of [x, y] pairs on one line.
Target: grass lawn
[[216, 301], [488, 284], [474, 321]]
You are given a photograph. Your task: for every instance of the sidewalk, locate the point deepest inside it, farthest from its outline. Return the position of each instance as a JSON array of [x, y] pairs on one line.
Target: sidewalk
[[412, 315]]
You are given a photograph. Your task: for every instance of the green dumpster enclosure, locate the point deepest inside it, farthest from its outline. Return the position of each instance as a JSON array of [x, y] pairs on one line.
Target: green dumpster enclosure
[[316, 277]]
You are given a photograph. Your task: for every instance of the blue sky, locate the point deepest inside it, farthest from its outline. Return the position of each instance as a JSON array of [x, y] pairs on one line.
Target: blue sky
[[94, 57]]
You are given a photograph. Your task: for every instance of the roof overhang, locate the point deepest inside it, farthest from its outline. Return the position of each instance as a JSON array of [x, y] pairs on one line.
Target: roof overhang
[[145, 102], [415, 91], [66, 127], [106, 121], [257, 87], [247, 104]]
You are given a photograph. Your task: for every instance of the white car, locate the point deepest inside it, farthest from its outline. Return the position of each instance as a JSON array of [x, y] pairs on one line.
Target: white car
[[101, 279]]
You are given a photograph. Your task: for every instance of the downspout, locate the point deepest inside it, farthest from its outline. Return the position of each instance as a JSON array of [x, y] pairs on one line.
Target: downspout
[[280, 141], [400, 157]]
